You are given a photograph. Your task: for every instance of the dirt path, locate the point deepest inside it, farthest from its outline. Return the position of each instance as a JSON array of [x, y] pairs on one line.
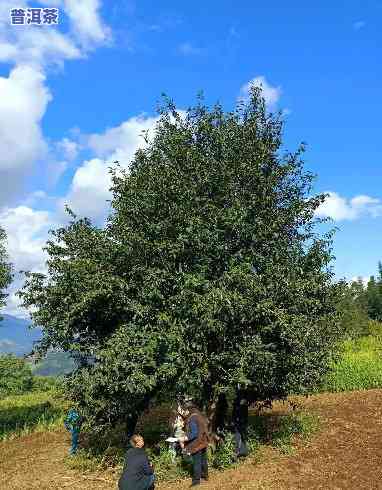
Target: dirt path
[[346, 454]]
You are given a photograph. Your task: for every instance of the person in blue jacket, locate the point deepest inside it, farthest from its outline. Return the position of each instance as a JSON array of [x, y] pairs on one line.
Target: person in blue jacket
[[138, 473], [73, 422]]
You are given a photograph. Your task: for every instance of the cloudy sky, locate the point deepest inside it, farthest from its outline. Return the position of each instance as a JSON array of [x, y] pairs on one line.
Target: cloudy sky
[[75, 97]]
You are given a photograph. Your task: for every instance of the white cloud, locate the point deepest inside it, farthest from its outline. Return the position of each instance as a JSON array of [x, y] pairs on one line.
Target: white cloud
[[339, 208], [27, 232], [24, 94], [89, 190], [189, 49], [23, 102], [46, 45], [271, 94], [33, 45], [121, 143], [69, 148], [359, 25], [90, 186], [363, 279], [86, 22]]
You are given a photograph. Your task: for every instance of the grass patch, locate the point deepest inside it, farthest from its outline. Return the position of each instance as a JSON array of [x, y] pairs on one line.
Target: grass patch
[[360, 366], [31, 412], [279, 431]]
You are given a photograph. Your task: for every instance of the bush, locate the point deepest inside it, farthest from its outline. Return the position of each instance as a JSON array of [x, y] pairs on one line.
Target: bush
[[15, 376], [359, 368], [166, 468], [301, 424], [224, 455]]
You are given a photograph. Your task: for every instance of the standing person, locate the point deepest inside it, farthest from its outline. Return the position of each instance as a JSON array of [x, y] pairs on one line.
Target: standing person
[[240, 422], [177, 430], [196, 442], [73, 422], [138, 473], [221, 414]]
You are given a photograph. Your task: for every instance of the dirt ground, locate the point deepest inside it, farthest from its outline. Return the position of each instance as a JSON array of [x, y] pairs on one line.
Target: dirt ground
[[345, 454]]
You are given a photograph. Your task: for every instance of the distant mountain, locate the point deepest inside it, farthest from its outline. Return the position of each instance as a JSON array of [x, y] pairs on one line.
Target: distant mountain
[[54, 364], [15, 336]]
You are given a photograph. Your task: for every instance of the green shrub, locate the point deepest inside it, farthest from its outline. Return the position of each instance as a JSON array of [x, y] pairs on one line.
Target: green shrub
[[15, 376], [253, 442], [224, 454], [359, 368], [166, 468], [299, 423]]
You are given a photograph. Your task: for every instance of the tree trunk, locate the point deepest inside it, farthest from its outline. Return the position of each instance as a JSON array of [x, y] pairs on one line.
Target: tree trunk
[[131, 423], [217, 414], [133, 417]]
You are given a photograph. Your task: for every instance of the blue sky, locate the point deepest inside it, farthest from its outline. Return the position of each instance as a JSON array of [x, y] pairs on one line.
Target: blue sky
[[76, 96]]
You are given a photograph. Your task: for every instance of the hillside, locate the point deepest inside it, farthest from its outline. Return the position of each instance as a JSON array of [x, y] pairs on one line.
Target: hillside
[[15, 336]]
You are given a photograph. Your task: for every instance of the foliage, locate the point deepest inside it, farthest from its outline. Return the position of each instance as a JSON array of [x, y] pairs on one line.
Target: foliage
[[224, 454], [359, 368], [373, 296], [44, 383], [15, 376], [166, 469], [301, 424], [370, 298], [353, 310], [209, 272], [32, 412], [5, 268]]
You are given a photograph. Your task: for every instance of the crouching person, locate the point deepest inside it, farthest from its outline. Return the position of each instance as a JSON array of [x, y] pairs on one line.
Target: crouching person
[[138, 473], [195, 442]]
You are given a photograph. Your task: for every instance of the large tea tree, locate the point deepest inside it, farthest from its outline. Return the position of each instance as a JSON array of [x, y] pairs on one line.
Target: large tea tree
[[209, 272], [5, 269]]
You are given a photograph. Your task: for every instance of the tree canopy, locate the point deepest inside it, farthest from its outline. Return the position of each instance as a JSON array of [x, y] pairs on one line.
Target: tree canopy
[[5, 268], [209, 273]]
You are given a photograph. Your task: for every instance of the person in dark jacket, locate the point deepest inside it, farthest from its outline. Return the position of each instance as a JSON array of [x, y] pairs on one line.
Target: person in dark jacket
[[196, 442], [138, 473], [240, 423], [221, 414]]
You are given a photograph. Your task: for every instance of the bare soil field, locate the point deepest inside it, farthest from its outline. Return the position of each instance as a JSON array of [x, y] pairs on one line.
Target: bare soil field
[[345, 454]]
